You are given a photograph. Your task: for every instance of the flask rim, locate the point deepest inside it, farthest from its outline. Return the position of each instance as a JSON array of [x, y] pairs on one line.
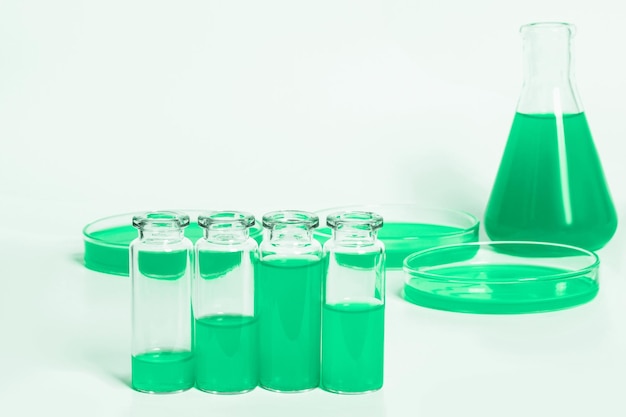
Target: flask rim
[[290, 218], [551, 26], [226, 217], [161, 219], [368, 219]]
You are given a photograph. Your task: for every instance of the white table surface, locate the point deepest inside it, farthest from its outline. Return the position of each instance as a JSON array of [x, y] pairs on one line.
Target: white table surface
[[112, 107]]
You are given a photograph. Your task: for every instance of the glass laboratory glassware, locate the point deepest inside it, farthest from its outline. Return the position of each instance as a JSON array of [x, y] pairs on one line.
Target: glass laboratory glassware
[[225, 339], [353, 312], [289, 291], [550, 185], [160, 271]]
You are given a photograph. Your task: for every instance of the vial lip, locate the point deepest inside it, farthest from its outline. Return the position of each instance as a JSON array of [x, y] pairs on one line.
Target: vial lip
[[355, 218], [290, 217], [226, 218], [164, 219]]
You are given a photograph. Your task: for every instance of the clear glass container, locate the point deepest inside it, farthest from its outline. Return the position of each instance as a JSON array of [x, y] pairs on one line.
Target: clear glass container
[[353, 312], [106, 240], [160, 271], [501, 277], [225, 342], [289, 299], [410, 228], [550, 185]]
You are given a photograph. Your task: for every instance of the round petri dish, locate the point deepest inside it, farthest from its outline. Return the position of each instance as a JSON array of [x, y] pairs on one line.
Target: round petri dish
[[107, 240], [410, 228], [501, 277]]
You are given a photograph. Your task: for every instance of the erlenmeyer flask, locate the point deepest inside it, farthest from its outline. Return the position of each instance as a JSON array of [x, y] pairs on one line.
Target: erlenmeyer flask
[[550, 185]]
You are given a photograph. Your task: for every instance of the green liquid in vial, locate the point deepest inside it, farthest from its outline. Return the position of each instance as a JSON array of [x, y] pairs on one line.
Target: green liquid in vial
[[353, 347], [289, 314], [403, 239], [497, 289], [101, 256], [163, 265], [162, 371], [214, 264], [550, 185], [226, 353]]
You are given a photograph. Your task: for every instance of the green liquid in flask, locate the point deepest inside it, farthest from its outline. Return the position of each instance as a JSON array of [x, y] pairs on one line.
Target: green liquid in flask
[[550, 185], [353, 347], [162, 371], [500, 289], [289, 313], [226, 353]]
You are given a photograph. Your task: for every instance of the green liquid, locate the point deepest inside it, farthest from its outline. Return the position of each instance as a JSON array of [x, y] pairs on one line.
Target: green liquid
[[352, 347], [163, 265], [107, 250], [226, 353], [289, 313], [162, 371], [497, 289], [214, 264], [110, 257], [550, 185], [403, 239]]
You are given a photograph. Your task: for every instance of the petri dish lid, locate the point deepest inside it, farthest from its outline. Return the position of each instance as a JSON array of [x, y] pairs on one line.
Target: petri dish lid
[[409, 228], [106, 240], [501, 277]]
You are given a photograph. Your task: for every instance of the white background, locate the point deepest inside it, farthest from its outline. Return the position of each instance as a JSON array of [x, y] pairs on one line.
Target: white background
[[116, 106]]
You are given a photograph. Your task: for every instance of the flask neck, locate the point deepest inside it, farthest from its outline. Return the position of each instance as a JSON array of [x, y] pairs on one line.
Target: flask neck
[[549, 85]]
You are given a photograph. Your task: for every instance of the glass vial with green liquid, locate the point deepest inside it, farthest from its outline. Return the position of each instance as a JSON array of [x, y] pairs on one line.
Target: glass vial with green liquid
[[225, 339], [160, 268], [550, 185], [353, 312], [289, 302]]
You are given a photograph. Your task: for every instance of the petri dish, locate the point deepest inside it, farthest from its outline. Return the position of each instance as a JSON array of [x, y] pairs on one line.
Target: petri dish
[[106, 240], [409, 228], [501, 277]]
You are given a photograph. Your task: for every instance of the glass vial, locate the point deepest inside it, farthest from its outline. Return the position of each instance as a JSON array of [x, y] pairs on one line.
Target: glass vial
[[550, 184], [160, 271], [353, 313], [289, 284], [225, 340]]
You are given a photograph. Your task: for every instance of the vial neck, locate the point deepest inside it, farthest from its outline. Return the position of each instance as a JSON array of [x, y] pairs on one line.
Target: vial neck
[[226, 236], [161, 234], [290, 234], [357, 235]]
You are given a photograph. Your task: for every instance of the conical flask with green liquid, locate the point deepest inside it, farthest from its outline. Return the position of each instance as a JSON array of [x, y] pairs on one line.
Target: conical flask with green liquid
[[550, 186]]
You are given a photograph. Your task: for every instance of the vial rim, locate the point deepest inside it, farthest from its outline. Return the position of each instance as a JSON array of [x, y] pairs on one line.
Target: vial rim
[[225, 217], [161, 218], [355, 218], [290, 218]]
